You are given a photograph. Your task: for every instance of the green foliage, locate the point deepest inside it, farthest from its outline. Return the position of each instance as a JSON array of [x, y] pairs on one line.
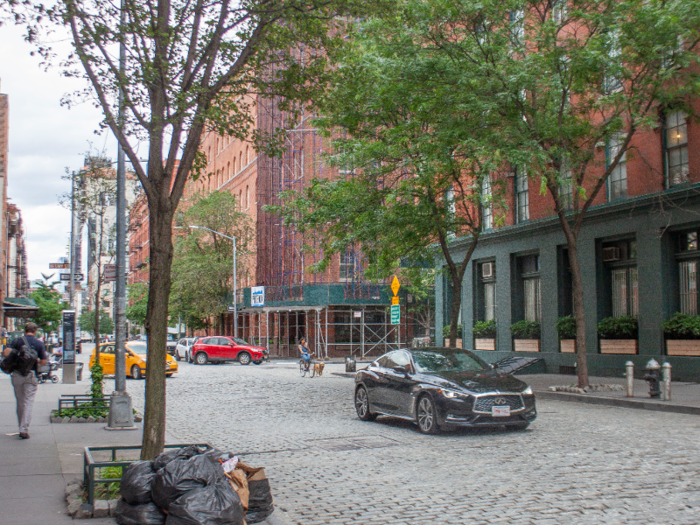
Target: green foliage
[[420, 283], [446, 331], [682, 326], [525, 330], [97, 378], [50, 306], [203, 265], [137, 294], [624, 327], [566, 327], [84, 412], [485, 329], [87, 322]]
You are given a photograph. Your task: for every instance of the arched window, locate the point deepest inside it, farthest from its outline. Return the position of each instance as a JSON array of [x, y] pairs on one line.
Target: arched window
[[240, 200], [247, 198], [228, 171], [247, 158], [240, 160], [234, 166]]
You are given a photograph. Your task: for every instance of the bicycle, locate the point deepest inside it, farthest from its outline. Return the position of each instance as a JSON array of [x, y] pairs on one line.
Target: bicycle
[[307, 368]]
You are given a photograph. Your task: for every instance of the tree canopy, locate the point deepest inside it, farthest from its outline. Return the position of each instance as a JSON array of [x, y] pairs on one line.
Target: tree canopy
[[50, 306]]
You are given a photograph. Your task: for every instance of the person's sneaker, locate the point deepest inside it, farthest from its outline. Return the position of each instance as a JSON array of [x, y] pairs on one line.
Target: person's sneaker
[[23, 435]]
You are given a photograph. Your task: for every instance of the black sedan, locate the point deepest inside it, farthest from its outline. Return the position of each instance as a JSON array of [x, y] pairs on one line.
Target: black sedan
[[442, 388]]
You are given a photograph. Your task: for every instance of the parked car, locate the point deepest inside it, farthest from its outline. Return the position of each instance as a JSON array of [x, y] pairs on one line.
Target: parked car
[[182, 350], [171, 343], [219, 349], [136, 357], [441, 388]]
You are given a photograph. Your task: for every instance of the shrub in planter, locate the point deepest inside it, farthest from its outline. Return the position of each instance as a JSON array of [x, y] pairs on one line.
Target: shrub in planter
[[566, 327], [485, 329], [682, 326], [446, 331], [618, 327], [525, 330]]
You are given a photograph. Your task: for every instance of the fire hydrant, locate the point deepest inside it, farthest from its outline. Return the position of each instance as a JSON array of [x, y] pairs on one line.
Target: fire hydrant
[[653, 376]]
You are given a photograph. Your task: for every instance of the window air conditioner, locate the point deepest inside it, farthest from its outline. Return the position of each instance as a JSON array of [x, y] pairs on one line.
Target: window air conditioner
[[487, 270], [611, 254]]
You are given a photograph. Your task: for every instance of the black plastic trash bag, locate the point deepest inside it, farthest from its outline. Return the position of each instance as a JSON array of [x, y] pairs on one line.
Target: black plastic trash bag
[[216, 504], [182, 475], [260, 501], [217, 455], [136, 482], [176, 453], [147, 514]]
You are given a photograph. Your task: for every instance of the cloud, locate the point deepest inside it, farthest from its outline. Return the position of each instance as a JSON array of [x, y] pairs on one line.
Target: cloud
[[44, 139]]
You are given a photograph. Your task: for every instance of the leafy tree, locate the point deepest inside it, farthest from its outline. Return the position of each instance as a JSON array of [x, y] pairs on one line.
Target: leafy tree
[[187, 68], [87, 323], [50, 306], [421, 157], [420, 283], [137, 294], [203, 264]]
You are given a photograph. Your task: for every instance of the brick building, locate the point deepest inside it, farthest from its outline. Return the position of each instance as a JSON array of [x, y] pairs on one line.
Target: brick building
[[638, 251]]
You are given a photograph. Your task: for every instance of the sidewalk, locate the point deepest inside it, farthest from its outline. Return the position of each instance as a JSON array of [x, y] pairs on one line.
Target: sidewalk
[[34, 472], [685, 397]]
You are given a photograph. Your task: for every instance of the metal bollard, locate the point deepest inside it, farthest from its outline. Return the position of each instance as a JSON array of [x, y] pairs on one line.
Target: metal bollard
[[666, 386], [630, 378]]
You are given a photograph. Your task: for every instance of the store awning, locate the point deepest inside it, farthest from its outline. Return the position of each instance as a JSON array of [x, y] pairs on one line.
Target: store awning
[[20, 307]]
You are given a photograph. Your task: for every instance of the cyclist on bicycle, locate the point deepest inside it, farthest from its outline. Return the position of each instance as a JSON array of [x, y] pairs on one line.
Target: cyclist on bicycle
[[304, 351]]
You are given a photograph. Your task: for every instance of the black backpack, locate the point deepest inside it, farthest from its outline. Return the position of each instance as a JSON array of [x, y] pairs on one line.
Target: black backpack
[[22, 361]]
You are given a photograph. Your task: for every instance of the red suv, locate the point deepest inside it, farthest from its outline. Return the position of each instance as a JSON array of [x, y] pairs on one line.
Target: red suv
[[218, 349]]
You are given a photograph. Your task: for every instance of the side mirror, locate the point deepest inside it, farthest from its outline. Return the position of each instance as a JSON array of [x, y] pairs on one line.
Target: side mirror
[[403, 370]]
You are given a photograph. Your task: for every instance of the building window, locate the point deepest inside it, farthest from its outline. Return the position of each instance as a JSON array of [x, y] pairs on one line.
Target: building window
[[688, 258], [522, 199], [676, 144], [247, 198], [529, 266], [346, 269], [559, 10], [487, 290], [247, 157], [620, 257], [617, 183], [486, 205], [517, 24]]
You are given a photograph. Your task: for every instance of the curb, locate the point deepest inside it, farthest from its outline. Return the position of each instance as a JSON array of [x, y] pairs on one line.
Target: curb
[[620, 403]]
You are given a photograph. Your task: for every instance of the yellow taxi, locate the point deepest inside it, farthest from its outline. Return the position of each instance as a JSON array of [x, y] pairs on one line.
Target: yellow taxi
[[136, 355]]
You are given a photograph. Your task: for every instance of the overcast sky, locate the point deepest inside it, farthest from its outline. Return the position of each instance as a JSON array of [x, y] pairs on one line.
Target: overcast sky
[[45, 139]]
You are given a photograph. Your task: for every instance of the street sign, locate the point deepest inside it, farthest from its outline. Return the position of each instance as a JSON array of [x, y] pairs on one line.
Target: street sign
[[394, 300], [357, 314], [395, 285], [257, 296], [395, 314], [59, 266], [110, 273], [76, 277], [231, 308]]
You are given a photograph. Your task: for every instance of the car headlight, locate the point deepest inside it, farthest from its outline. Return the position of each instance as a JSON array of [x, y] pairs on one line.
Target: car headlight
[[449, 393], [527, 391]]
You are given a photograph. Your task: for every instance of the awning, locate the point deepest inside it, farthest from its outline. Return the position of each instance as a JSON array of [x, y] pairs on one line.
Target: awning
[[20, 307]]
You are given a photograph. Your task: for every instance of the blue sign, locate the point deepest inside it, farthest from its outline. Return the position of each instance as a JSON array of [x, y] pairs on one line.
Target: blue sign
[[257, 296]]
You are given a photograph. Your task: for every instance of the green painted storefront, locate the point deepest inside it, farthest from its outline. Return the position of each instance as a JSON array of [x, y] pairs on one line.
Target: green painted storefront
[[652, 225]]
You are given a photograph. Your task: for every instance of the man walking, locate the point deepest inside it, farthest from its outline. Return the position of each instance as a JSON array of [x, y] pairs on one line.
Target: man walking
[[26, 385]]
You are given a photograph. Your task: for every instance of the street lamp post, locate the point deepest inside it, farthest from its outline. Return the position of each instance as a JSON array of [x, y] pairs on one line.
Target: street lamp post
[[235, 306]]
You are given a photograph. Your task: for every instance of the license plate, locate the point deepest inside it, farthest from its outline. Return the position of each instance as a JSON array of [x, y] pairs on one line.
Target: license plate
[[500, 411]]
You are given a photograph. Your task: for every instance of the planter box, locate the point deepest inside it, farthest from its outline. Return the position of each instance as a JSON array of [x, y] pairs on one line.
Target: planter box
[[689, 347], [484, 344], [526, 345], [619, 346], [459, 342], [568, 346]]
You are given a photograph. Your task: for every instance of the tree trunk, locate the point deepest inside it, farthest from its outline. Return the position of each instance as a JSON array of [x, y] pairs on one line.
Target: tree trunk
[[161, 256], [456, 305], [579, 313]]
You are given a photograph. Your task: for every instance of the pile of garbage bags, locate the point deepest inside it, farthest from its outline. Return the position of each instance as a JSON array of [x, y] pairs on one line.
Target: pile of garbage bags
[[193, 486]]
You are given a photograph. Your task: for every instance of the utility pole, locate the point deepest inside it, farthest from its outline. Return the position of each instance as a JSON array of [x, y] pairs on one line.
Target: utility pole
[[121, 413], [69, 368]]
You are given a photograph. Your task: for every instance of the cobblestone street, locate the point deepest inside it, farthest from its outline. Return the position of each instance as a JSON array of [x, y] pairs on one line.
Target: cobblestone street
[[575, 464]]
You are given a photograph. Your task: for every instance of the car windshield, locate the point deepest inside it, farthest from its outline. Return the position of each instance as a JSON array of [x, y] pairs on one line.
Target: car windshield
[[447, 359], [138, 348]]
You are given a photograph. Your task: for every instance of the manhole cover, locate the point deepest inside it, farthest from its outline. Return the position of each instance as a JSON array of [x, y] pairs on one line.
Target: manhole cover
[[353, 443]]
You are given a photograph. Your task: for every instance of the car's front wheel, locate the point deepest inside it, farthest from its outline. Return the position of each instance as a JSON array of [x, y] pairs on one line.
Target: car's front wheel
[[177, 355], [200, 358], [362, 405], [244, 358], [426, 416], [136, 372]]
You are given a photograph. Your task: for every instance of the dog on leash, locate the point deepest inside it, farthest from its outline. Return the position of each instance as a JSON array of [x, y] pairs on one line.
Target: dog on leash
[[318, 367]]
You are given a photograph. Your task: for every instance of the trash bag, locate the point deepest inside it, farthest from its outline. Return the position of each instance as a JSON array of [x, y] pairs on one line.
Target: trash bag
[[259, 500], [176, 453], [217, 455], [182, 475], [147, 514], [136, 482], [216, 504]]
